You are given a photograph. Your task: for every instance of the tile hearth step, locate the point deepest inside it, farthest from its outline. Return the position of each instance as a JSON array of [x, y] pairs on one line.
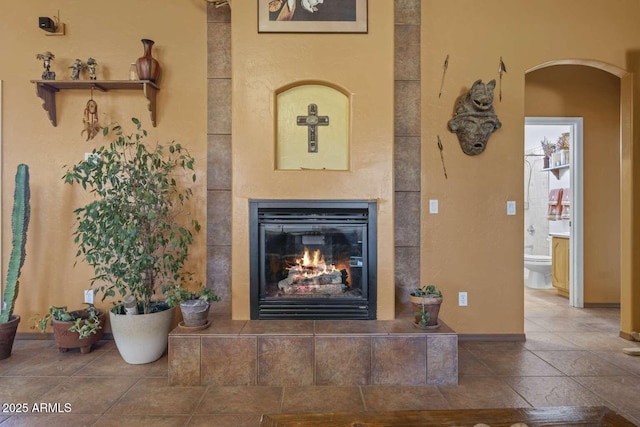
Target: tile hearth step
[[313, 352]]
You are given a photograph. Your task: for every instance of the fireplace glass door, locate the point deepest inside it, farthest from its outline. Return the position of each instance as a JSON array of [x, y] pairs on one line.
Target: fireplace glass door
[[312, 262]]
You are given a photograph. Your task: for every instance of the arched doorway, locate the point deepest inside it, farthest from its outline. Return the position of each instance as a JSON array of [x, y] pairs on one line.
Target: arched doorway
[[625, 182]]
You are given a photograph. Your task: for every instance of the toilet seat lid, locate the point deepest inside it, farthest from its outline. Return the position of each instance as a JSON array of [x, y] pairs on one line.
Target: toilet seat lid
[[538, 257]]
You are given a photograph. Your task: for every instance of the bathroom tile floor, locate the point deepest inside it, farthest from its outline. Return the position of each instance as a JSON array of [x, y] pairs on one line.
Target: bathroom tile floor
[[572, 357]]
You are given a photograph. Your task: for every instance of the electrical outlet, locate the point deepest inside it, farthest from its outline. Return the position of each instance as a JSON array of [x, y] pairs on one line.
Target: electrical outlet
[[92, 156], [462, 299], [88, 296], [511, 207], [433, 206]]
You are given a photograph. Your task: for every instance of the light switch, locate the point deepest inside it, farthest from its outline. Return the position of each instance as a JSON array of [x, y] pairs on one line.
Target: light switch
[[511, 207], [433, 206], [462, 299]]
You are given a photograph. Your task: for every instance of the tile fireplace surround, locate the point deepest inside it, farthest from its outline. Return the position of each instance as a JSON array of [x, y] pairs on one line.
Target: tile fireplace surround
[[312, 352]]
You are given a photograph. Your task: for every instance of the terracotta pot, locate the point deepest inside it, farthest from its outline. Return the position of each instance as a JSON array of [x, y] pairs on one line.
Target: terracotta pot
[[7, 336], [431, 306], [65, 339]]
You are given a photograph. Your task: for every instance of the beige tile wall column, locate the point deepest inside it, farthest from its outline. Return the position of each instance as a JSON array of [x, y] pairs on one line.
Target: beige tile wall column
[[219, 154], [407, 149]]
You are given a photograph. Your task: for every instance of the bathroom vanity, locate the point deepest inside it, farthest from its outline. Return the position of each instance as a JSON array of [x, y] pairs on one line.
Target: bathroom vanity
[[560, 263]]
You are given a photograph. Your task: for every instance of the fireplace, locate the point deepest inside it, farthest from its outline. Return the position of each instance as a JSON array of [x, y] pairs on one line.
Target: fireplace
[[313, 259]]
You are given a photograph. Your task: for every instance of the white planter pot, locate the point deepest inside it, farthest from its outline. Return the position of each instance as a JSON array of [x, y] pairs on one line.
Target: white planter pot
[[141, 338]]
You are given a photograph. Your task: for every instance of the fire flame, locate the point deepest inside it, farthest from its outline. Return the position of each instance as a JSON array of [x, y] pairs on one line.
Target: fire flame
[[317, 260], [313, 264]]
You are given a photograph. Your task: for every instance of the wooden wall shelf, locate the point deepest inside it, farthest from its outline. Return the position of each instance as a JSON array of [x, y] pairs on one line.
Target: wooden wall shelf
[[556, 169], [46, 90]]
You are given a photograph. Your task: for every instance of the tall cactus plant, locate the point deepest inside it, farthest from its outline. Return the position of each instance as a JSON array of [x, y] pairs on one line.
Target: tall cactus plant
[[19, 225]]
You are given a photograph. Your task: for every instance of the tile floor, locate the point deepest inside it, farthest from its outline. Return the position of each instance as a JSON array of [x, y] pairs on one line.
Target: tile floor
[[571, 357]]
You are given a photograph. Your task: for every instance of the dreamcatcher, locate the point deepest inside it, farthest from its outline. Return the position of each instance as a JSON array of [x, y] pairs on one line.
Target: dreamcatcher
[[90, 119]]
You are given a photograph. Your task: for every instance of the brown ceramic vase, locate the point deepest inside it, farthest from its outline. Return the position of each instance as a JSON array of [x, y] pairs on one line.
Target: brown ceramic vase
[[148, 67]]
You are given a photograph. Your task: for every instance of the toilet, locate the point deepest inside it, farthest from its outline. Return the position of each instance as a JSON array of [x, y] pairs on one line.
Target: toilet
[[539, 268]]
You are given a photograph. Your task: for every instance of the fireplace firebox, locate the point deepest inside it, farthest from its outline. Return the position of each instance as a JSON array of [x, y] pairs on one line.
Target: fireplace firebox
[[313, 259]]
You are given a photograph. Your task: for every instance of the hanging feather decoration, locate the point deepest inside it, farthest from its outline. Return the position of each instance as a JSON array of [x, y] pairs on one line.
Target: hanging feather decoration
[[441, 148], [502, 69], [444, 72]]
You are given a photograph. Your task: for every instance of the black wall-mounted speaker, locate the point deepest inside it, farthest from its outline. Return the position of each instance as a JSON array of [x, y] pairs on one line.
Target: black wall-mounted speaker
[[47, 24]]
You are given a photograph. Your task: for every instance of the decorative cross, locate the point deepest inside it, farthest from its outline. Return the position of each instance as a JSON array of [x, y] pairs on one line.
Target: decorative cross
[[312, 121]]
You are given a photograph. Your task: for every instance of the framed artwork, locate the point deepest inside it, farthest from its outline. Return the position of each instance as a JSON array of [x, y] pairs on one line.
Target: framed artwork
[[312, 16]]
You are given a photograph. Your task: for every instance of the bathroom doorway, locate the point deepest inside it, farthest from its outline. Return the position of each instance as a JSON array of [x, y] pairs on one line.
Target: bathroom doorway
[[603, 95], [553, 205]]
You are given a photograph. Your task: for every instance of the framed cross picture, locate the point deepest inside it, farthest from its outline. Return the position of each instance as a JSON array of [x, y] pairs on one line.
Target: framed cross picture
[[312, 16], [312, 127]]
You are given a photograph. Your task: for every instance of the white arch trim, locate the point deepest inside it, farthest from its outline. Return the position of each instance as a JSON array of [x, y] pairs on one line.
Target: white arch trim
[[604, 66]]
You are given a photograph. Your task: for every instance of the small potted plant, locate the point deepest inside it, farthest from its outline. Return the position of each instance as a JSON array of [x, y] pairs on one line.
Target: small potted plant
[[426, 301], [548, 148], [73, 329], [194, 306], [563, 147]]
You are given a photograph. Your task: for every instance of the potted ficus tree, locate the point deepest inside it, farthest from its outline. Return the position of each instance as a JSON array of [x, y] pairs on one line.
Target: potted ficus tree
[[426, 301], [133, 233]]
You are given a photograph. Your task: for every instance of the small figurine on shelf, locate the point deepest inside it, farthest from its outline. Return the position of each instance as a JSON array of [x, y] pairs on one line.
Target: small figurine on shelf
[[76, 68], [91, 65], [46, 57]]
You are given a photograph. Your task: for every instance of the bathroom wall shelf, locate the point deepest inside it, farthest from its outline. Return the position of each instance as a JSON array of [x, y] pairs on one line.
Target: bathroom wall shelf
[[46, 90], [556, 170]]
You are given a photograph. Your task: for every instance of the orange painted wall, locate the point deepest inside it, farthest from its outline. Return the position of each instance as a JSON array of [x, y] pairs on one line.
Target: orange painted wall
[[472, 245], [111, 34], [578, 91], [363, 66]]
